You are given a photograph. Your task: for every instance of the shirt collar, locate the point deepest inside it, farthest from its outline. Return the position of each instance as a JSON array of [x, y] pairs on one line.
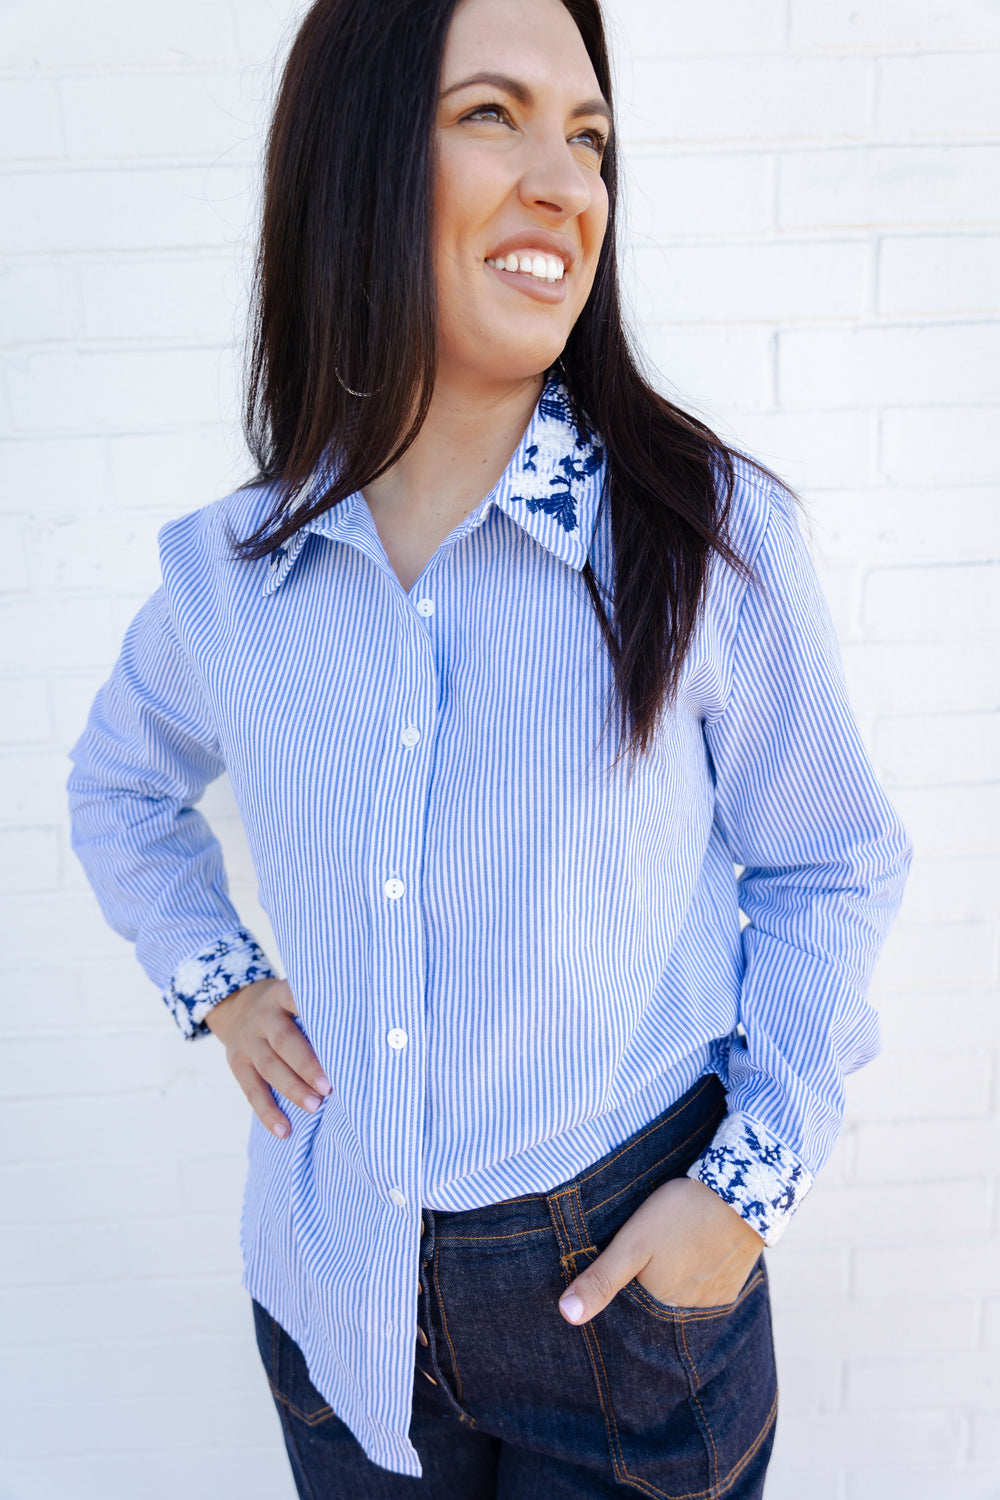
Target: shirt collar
[[551, 488]]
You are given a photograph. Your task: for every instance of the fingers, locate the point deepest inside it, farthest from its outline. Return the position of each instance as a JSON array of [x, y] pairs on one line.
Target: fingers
[[262, 1101], [594, 1288], [291, 1046]]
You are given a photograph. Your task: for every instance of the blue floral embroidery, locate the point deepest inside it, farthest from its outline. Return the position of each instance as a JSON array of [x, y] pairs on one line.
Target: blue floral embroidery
[[753, 1172], [199, 983], [548, 471]]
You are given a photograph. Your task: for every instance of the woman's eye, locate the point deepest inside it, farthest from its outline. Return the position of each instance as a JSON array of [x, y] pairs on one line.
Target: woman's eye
[[595, 139], [486, 111]]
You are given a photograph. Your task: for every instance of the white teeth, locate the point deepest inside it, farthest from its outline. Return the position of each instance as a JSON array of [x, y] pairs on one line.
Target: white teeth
[[542, 267]]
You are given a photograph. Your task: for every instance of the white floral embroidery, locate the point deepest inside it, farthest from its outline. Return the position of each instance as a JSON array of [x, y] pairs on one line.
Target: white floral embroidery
[[559, 454], [753, 1172], [199, 983]]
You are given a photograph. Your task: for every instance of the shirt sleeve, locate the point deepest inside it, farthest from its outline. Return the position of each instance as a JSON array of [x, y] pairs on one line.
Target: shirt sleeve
[[825, 860], [147, 754]]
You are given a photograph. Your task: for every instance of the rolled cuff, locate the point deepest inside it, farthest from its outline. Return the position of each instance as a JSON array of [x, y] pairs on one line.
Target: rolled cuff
[[752, 1171], [200, 983]]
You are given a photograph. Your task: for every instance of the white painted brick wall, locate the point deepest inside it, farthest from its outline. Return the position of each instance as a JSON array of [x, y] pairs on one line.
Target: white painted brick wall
[[814, 263]]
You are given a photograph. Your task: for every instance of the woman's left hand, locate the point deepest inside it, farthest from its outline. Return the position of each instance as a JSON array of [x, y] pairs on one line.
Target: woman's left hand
[[684, 1244]]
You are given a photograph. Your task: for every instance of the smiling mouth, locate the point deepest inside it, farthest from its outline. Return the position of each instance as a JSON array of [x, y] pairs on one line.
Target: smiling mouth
[[534, 263]]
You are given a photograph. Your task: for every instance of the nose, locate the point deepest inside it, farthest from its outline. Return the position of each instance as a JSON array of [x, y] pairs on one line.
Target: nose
[[554, 181]]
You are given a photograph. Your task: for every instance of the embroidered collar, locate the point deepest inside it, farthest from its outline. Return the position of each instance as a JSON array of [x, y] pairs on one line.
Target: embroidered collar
[[551, 488]]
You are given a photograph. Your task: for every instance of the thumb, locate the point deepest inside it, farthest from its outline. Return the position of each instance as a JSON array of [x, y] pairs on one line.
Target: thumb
[[594, 1288]]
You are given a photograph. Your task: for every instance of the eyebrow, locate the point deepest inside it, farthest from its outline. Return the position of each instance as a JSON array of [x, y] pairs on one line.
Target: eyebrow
[[523, 94]]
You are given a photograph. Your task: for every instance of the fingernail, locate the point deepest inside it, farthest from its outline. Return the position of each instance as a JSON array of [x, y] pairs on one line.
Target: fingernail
[[311, 1103], [282, 1128], [322, 1084], [572, 1307]]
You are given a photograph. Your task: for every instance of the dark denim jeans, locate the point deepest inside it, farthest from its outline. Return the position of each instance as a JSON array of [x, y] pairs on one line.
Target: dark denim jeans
[[513, 1403]]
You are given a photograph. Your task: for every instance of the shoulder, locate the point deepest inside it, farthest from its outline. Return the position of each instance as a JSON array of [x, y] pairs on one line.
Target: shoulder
[[197, 542], [759, 504]]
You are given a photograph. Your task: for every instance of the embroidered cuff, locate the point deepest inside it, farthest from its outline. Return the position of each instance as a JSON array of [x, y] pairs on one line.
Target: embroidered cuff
[[199, 983], [755, 1174]]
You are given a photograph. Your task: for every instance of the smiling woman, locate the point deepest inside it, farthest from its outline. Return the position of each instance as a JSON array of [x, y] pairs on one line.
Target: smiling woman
[[532, 1099]]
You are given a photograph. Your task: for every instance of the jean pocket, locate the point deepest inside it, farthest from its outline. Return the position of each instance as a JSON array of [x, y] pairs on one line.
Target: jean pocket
[[688, 1394], [286, 1370]]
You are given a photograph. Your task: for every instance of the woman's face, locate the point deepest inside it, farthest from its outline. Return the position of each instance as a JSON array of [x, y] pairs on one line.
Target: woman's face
[[521, 208]]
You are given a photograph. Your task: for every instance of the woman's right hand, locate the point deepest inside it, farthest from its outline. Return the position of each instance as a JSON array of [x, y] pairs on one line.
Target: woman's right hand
[[266, 1050]]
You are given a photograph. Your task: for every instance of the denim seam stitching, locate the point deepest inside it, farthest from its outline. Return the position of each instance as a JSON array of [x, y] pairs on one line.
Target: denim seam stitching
[[447, 1334]]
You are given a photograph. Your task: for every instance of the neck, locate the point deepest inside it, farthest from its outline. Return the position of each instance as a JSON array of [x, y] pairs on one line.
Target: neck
[[466, 442]]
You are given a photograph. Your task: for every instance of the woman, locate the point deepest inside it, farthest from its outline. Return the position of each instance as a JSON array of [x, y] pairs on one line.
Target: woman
[[509, 661]]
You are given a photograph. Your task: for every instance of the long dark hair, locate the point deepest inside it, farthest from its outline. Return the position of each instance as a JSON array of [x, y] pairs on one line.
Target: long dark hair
[[344, 302]]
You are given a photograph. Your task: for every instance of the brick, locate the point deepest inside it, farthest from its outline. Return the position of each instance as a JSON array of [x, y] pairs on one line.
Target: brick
[[886, 1438], [888, 525], [675, 194], [937, 95], [946, 749], [72, 698], [870, 185], [927, 1151], [842, 589], [749, 283], [54, 1066], [181, 298], [808, 1386], [991, 1324], [939, 273], [26, 718], [855, 1213], [13, 562], [922, 677], [945, 954], [792, 1484], [971, 1268], [985, 1447], [115, 391], [933, 602], [952, 820], [117, 209], [147, 1125], [41, 301], [95, 551], [34, 788], [671, 29], [891, 366], [175, 471], [29, 119], [29, 859], [948, 445], [171, 115], [138, 1424], [923, 1084], [946, 1380], [61, 35], [894, 23], [710, 367], [809, 450], [801, 1273], [176, 1307], [69, 926], [956, 889], [719, 98], [88, 1190], [838, 1329], [142, 1367], [52, 475], [247, 1470], [957, 1481], [913, 1018]]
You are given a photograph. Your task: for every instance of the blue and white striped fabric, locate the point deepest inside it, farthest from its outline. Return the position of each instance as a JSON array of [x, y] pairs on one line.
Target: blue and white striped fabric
[[507, 956]]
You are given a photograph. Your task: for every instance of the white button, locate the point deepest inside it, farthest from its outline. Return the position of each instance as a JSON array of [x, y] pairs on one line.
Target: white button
[[425, 607], [397, 1197], [410, 736], [396, 1039], [394, 888]]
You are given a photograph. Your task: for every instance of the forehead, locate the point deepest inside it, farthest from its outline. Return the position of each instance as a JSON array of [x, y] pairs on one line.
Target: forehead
[[535, 41]]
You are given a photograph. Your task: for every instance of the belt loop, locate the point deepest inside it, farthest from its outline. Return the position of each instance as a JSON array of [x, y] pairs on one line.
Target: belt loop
[[566, 1212]]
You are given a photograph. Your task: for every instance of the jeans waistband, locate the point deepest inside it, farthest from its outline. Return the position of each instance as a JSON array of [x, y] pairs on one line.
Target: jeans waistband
[[673, 1136]]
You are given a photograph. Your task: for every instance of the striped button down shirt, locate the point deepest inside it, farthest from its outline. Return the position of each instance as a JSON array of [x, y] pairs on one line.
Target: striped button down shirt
[[507, 955]]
